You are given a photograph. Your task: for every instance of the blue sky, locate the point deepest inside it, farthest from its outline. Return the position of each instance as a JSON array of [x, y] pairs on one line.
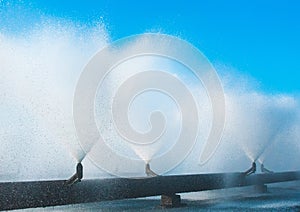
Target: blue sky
[[258, 38]]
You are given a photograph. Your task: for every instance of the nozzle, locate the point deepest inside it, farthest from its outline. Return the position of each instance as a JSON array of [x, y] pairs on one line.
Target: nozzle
[[77, 176], [79, 171], [149, 172], [265, 170], [252, 170]]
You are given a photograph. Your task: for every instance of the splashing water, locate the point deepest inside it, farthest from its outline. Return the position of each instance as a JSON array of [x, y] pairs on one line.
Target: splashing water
[[38, 77], [39, 72], [257, 119], [115, 107]]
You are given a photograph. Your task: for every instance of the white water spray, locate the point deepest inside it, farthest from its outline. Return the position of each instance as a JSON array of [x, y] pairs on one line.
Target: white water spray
[[38, 77]]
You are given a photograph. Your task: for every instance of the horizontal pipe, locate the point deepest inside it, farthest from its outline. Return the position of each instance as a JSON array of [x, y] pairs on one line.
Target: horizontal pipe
[[268, 178], [17, 195]]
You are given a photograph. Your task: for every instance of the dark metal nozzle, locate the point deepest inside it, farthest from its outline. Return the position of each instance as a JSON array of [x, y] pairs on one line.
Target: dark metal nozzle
[[252, 170], [149, 172], [77, 176]]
